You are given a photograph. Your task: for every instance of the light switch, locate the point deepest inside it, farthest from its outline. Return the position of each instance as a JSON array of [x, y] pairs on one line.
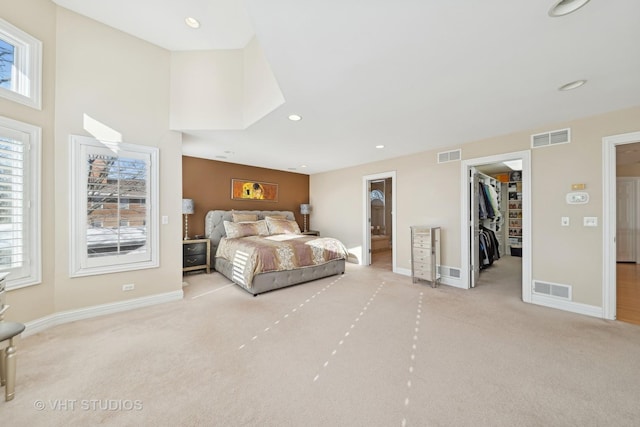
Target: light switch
[[564, 221], [165, 219], [590, 221]]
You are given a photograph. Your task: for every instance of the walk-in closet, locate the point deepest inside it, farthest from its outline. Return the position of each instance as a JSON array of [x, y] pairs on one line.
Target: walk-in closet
[[498, 194]]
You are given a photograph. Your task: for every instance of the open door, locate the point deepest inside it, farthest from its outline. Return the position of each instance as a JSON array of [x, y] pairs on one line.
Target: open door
[[367, 257], [388, 228], [474, 226], [626, 220]]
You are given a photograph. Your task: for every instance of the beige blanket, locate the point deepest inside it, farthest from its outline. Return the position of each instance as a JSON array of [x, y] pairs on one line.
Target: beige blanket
[[253, 255]]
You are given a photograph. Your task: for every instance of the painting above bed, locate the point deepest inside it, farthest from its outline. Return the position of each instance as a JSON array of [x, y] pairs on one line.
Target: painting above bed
[[242, 189]]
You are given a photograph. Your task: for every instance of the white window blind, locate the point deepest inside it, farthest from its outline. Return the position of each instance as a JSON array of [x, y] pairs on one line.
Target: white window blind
[[11, 203], [19, 202]]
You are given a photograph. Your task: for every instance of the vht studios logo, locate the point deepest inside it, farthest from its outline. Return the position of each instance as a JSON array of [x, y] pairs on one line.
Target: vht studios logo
[[88, 405]]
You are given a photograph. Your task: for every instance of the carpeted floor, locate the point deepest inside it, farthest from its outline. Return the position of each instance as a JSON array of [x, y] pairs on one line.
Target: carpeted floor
[[368, 348]]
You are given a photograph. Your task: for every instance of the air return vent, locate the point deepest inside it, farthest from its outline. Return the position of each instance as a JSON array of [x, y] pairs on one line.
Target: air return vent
[[562, 136], [449, 156], [449, 271], [554, 290]]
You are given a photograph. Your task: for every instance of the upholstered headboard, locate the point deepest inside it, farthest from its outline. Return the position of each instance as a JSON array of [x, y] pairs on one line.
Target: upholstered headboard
[[214, 223]]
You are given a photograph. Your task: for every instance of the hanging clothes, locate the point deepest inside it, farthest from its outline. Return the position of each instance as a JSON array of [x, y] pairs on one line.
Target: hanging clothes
[[482, 202], [489, 247], [493, 199]]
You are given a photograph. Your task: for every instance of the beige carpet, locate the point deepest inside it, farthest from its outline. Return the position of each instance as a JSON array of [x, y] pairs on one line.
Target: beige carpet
[[368, 348]]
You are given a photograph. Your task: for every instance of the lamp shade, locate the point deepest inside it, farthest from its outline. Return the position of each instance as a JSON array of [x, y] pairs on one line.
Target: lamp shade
[[305, 209], [187, 206]]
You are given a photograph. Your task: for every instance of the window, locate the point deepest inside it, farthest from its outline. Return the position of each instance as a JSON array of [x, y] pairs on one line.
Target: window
[[20, 203], [20, 66], [109, 233], [377, 195]]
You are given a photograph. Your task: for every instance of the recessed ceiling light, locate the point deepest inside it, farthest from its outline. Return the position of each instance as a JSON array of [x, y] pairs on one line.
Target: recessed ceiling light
[[380, 146], [572, 85], [565, 7], [303, 166], [295, 117], [192, 22]]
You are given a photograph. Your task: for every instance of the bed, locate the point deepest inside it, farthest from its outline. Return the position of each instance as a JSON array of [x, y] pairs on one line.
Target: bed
[[260, 259]]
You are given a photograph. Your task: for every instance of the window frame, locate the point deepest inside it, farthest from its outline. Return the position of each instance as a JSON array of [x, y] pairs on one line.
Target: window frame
[[32, 218], [80, 263], [27, 62]]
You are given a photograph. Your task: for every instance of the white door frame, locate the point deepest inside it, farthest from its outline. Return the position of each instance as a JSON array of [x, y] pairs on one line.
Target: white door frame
[[609, 278], [526, 216], [366, 231]]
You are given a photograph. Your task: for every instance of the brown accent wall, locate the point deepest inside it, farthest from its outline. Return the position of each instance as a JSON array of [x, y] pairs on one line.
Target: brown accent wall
[[208, 183]]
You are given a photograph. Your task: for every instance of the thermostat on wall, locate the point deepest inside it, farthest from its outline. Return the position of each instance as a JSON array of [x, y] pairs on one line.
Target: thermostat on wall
[[577, 198]]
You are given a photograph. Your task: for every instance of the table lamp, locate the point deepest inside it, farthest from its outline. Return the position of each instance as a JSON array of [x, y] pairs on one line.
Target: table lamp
[[187, 209]]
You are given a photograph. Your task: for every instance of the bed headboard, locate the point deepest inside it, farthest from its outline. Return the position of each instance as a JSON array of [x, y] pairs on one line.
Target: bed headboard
[[214, 223]]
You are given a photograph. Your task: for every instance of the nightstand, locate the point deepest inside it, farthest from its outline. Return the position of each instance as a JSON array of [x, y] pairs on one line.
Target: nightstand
[[196, 255], [311, 233]]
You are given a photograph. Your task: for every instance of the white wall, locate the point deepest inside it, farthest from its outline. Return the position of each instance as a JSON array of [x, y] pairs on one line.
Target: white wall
[[207, 89], [222, 89], [262, 94]]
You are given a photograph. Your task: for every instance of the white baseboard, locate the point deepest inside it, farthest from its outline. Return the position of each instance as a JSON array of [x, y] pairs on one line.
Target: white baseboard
[[403, 271], [573, 307], [570, 306], [39, 325], [451, 281]]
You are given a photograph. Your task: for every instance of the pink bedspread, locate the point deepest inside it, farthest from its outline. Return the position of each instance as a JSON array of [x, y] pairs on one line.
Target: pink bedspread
[[254, 254]]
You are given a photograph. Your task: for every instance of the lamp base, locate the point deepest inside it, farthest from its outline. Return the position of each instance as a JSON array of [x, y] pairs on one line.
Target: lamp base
[[186, 227]]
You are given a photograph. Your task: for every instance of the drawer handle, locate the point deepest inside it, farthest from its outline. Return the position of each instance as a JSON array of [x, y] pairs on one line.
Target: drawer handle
[[191, 260]]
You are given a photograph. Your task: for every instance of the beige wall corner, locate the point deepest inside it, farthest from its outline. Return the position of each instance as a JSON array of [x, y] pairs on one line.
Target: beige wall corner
[[38, 300]]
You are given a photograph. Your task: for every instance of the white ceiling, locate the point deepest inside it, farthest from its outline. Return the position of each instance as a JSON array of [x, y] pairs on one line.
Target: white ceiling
[[412, 75]]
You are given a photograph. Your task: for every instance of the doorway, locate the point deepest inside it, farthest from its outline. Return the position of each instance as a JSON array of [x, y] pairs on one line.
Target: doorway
[[514, 232], [379, 234], [611, 238]]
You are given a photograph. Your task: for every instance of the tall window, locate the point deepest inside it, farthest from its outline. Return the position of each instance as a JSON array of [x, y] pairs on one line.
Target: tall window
[[20, 66], [114, 188], [20, 202]]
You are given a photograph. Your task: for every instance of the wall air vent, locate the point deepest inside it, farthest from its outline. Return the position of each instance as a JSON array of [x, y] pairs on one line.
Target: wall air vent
[[449, 156], [449, 271], [554, 290], [562, 136]]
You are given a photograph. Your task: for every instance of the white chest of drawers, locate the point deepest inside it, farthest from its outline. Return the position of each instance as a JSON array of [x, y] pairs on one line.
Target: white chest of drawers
[[425, 254]]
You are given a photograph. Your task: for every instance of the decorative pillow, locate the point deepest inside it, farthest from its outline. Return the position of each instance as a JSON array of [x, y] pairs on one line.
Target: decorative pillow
[[282, 226], [240, 217], [277, 216], [244, 229]]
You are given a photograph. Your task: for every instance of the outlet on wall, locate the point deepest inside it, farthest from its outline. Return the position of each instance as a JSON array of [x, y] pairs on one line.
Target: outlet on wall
[[128, 287]]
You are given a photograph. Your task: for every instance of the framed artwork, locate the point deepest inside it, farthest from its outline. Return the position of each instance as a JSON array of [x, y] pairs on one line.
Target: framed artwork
[[243, 189]]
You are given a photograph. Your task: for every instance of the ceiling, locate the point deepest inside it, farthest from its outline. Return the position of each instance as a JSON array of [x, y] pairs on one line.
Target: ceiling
[[412, 75]]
